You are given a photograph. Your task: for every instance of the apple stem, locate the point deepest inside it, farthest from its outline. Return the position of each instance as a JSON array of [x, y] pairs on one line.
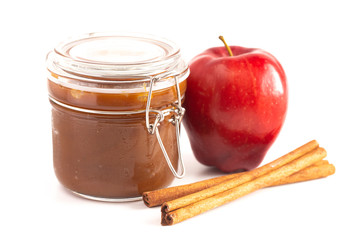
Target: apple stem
[[227, 47]]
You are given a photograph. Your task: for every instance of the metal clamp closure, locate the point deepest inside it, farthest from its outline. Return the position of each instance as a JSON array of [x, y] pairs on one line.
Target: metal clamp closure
[[177, 113]]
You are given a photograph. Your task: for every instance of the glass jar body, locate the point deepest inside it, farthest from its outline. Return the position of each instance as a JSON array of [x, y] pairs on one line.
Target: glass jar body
[[109, 156]]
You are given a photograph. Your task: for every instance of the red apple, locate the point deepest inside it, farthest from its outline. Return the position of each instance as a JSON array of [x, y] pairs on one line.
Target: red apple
[[235, 106]]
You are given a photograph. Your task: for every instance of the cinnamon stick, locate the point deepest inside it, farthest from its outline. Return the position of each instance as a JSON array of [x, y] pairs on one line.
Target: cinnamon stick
[[224, 186], [321, 170], [158, 197], [175, 214]]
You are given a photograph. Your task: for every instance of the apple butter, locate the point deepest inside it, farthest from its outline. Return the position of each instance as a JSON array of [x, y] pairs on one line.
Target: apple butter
[[116, 111]]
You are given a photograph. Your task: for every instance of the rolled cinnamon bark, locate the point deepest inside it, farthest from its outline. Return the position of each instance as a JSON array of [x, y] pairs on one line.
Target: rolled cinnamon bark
[[318, 170], [226, 185], [321, 170], [182, 213], [158, 197]]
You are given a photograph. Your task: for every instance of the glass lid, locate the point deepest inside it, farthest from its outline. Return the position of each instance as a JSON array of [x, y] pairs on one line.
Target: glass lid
[[115, 56]]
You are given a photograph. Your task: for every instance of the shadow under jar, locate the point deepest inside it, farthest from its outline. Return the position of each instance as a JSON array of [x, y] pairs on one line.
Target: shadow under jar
[[116, 113]]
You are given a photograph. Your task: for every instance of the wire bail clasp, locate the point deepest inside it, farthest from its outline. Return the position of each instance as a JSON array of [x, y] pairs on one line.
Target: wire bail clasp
[[178, 112]]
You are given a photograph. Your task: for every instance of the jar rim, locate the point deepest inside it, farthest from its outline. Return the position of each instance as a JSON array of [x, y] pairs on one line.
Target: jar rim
[[115, 56]]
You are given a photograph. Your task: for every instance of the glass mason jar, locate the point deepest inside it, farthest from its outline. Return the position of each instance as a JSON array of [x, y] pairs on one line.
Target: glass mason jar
[[116, 114]]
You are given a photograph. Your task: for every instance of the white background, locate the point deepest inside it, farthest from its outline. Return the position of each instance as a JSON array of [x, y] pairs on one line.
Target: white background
[[313, 40]]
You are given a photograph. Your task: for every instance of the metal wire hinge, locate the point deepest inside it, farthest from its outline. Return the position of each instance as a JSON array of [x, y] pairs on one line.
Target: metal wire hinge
[[177, 112]]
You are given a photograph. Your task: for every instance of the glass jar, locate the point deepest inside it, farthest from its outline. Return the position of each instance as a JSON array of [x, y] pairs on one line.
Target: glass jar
[[116, 114]]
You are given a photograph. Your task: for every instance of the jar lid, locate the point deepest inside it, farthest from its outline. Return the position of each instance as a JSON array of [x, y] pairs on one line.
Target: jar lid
[[115, 57]]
